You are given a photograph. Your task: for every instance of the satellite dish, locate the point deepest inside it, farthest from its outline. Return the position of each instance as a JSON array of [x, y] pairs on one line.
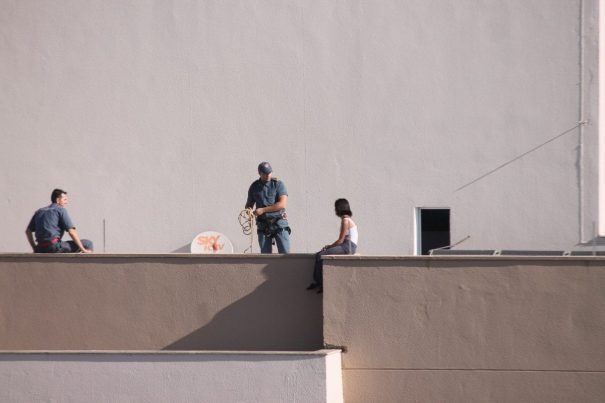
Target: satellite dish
[[211, 242]]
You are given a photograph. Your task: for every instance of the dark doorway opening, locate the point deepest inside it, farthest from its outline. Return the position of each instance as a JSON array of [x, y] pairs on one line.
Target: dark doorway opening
[[434, 229]]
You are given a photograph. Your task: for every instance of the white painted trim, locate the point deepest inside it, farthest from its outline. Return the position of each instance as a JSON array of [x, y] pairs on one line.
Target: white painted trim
[[334, 386], [417, 237]]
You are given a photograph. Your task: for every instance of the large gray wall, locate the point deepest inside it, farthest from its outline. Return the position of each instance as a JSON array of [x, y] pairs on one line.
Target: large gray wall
[[154, 115]]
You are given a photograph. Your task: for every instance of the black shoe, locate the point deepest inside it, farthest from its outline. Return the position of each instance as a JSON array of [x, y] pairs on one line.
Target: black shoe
[[312, 286], [321, 290]]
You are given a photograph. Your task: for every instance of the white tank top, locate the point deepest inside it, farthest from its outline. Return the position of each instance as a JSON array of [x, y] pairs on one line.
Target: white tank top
[[352, 233]]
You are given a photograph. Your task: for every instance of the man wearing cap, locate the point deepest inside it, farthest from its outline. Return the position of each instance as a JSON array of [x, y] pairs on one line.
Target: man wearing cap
[[50, 223], [270, 197]]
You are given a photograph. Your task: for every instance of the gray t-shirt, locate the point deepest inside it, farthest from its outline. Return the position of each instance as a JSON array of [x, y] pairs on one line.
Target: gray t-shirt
[[50, 222]]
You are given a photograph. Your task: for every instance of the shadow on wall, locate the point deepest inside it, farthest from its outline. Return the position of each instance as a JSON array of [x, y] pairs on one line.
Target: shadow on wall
[[183, 249], [279, 315]]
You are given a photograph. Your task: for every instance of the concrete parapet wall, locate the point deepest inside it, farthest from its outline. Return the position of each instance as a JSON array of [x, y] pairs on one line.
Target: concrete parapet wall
[[468, 329], [456, 329], [171, 377], [154, 302]]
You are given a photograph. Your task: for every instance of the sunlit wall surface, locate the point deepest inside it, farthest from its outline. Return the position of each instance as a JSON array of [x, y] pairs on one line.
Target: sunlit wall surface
[[154, 115]]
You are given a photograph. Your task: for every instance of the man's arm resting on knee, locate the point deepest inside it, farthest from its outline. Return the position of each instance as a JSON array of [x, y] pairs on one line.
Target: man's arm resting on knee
[[74, 235]]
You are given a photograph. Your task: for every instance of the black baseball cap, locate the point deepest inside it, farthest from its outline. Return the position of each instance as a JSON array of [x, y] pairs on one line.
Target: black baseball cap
[[264, 168]]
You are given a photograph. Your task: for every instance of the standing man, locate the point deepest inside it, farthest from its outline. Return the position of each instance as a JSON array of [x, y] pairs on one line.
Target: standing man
[[271, 197], [50, 223]]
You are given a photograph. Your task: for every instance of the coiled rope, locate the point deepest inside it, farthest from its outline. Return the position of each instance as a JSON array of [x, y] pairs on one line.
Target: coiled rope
[[247, 220]]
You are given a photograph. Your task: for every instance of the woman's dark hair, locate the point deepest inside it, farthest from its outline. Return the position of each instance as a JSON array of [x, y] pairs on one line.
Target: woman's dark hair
[[342, 207], [56, 194]]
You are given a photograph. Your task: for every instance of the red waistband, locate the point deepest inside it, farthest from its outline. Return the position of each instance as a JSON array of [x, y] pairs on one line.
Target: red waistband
[[46, 244]]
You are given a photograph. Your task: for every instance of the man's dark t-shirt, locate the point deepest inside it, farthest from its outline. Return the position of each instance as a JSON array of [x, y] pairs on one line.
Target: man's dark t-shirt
[[50, 222]]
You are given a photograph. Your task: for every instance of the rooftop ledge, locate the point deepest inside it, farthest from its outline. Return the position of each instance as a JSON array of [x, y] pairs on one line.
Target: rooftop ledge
[[158, 255], [462, 257], [322, 352], [259, 256]]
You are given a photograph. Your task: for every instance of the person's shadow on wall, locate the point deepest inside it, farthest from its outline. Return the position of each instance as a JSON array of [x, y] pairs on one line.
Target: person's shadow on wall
[[183, 249], [278, 315]]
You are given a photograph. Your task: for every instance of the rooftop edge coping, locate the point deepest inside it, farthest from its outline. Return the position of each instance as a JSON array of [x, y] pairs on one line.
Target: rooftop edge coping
[[322, 352], [241, 256]]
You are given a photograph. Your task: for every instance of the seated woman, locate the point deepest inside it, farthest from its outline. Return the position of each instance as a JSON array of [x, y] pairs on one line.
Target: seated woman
[[346, 244]]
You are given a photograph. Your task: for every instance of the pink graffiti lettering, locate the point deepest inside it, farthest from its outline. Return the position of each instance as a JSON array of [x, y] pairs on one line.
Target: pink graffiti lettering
[[210, 243]]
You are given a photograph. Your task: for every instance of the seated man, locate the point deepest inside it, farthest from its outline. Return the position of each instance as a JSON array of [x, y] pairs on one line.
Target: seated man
[[50, 223]]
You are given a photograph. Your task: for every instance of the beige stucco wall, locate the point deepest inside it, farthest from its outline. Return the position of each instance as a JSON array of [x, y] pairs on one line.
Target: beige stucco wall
[[154, 115], [456, 329], [83, 302], [253, 377], [468, 329]]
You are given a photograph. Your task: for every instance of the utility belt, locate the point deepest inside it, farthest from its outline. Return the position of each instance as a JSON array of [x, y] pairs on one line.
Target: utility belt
[[46, 244], [270, 227]]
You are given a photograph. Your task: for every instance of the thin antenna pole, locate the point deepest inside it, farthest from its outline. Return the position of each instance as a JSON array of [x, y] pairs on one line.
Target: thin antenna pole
[[104, 232]]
